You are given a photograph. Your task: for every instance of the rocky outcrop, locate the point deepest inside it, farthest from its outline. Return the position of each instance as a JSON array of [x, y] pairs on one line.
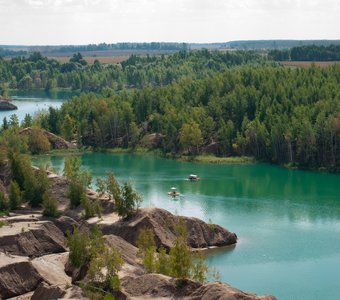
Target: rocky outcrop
[[156, 286], [223, 291], [52, 292], [6, 105], [163, 223], [65, 224], [55, 262], [31, 239], [57, 142], [17, 276], [48, 292], [127, 251]]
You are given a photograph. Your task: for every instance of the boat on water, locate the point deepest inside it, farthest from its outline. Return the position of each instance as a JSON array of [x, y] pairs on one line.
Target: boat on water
[[193, 177], [173, 192]]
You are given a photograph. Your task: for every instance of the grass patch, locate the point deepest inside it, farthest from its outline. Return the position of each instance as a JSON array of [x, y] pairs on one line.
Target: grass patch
[[3, 223], [211, 159]]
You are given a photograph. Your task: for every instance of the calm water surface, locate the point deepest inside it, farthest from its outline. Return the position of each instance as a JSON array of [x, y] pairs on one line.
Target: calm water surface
[[288, 222], [31, 102]]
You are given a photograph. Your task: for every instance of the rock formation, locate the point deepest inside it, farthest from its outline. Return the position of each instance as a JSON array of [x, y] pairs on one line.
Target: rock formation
[[163, 223], [31, 239], [6, 105], [57, 142]]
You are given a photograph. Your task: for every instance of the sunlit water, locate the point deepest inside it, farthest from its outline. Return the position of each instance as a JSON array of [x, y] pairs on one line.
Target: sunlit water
[[34, 101], [287, 222]]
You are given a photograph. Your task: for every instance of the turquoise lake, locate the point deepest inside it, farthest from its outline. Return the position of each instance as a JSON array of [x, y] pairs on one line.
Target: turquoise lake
[[34, 101], [287, 221]]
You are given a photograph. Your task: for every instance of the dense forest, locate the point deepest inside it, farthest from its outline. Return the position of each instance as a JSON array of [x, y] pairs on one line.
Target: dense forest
[[307, 53], [38, 71], [272, 113], [228, 104]]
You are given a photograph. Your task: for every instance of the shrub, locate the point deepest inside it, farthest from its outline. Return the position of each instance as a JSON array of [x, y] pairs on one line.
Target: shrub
[[14, 195], [76, 192], [3, 202], [78, 243], [129, 200], [38, 141], [91, 208], [50, 206], [35, 187]]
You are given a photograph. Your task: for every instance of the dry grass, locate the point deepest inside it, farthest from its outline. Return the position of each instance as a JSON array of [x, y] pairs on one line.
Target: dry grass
[[91, 59], [306, 64]]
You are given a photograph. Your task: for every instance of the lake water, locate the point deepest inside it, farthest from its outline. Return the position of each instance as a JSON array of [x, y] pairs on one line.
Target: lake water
[[31, 102], [288, 222]]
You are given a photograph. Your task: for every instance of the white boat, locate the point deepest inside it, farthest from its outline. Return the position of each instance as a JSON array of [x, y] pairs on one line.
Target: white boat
[[193, 177]]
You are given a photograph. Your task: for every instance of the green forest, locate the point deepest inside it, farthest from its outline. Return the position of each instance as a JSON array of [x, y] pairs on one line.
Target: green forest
[[226, 104], [307, 53], [37, 71]]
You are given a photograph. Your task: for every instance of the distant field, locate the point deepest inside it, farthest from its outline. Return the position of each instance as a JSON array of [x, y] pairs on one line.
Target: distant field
[[306, 64], [91, 59]]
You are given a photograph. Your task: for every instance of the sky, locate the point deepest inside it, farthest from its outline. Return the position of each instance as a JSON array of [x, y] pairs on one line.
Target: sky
[[77, 22]]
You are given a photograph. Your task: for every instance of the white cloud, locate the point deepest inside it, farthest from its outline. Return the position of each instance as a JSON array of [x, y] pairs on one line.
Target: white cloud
[[94, 21]]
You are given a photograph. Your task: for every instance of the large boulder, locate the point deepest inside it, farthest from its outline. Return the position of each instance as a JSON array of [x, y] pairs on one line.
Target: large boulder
[[163, 224], [56, 262], [6, 105], [223, 291], [156, 286], [128, 252], [32, 239], [17, 276], [52, 292], [48, 292], [65, 224]]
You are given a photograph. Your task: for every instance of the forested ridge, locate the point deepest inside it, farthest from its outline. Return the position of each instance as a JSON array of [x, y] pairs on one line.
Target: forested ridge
[[38, 71], [228, 104], [276, 114]]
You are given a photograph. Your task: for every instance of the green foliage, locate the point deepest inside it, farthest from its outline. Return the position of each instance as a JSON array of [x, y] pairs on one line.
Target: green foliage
[[2, 223], [180, 263], [78, 243], [110, 259], [20, 167], [91, 208], [50, 206], [190, 137], [103, 262], [112, 186], [76, 192], [129, 200], [38, 141], [14, 195], [199, 268], [147, 249], [4, 205], [72, 166], [101, 186], [79, 180], [35, 185]]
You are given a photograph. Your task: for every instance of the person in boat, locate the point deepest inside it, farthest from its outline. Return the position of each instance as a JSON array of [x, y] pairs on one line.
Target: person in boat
[[173, 192]]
